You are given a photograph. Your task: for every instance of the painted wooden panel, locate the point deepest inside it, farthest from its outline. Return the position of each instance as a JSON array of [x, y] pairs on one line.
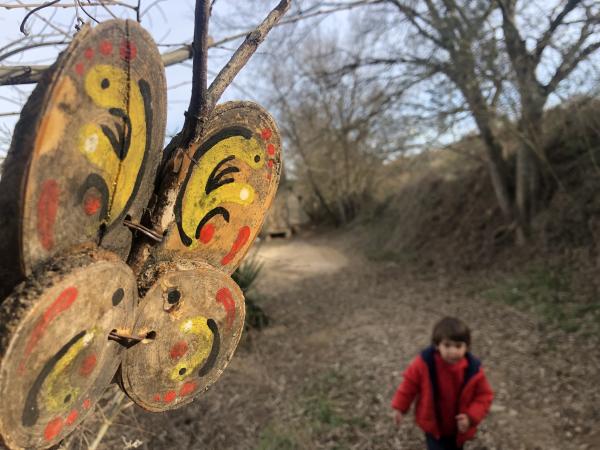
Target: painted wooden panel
[[86, 149], [55, 358], [197, 317], [229, 180]]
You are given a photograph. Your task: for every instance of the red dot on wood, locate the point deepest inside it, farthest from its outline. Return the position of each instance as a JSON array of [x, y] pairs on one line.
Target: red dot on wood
[[91, 204], [266, 134], [88, 365], [128, 50], [47, 208], [53, 428], [270, 163], [89, 53], [87, 403], [226, 299], [206, 233], [271, 149], [188, 388], [170, 396], [79, 68], [72, 417], [63, 302], [242, 238], [157, 397], [178, 350], [106, 48]]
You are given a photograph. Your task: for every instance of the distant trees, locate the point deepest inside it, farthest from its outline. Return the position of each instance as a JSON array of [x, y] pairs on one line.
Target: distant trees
[[339, 128], [491, 59]]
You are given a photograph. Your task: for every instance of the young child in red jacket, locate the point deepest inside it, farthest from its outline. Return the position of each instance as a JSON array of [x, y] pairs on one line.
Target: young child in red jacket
[[453, 395]]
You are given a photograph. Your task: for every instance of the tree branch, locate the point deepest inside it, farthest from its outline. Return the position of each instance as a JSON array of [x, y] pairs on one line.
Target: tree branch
[[243, 54], [197, 114], [569, 64], [544, 40]]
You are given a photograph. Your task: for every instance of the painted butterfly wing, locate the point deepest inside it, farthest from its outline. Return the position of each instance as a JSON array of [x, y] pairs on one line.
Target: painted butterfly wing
[[228, 180], [197, 316], [55, 358], [86, 149]]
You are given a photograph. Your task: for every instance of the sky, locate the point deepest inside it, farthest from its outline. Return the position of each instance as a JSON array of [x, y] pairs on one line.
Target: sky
[[170, 22]]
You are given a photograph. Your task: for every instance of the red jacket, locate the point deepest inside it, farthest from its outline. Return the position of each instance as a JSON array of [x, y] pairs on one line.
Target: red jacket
[[420, 381]]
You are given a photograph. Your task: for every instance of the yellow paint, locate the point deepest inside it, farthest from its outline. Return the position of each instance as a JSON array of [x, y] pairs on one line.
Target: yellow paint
[[58, 384], [120, 176], [196, 326], [54, 121], [196, 203]]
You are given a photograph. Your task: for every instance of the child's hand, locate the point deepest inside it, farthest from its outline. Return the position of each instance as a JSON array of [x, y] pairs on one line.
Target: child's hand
[[462, 422], [398, 418]]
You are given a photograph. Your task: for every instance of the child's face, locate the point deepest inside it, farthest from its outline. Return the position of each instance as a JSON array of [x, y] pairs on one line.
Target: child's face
[[452, 351]]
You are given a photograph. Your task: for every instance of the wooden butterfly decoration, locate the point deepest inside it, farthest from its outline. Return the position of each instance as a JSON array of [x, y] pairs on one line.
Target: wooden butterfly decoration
[[85, 161]]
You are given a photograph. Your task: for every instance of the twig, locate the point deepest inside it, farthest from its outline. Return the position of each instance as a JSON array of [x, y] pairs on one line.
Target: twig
[[33, 11], [87, 13], [198, 112], [243, 54], [113, 410]]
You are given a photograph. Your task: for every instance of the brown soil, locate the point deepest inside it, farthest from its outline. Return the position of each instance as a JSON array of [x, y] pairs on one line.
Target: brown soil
[[342, 330]]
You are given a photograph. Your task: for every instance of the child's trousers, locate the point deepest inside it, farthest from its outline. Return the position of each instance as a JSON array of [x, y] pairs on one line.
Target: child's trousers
[[445, 443]]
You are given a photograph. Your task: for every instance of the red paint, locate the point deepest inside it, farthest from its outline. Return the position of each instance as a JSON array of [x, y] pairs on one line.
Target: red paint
[[270, 163], [89, 53], [53, 428], [188, 388], [87, 403], [72, 417], [88, 365], [170, 396], [79, 68], [240, 241], [128, 50], [157, 398], [61, 304], [224, 296], [106, 48], [206, 233], [271, 149], [91, 204], [266, 134], [178, 350], [46, 210]]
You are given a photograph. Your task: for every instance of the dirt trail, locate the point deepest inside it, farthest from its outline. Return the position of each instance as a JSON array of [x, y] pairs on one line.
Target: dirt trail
[[342, 329]]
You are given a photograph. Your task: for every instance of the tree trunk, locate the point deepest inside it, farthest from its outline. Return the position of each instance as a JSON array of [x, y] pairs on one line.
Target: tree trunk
[[495, 161], [530, 153]]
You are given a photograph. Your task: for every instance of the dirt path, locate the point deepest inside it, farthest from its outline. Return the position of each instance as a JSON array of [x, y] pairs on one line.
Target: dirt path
[[343, 328]]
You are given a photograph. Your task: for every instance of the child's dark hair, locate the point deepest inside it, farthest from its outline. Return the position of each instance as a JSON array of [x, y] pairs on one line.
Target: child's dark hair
[[452, 329]]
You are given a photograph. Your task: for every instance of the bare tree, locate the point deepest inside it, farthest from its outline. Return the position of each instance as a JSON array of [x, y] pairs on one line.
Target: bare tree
[[339, 130], [479, 49]]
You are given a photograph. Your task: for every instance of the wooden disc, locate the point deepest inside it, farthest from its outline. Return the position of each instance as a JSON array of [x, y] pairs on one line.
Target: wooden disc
[[55, 356], [197, 317], [225, 196], [85, 151]]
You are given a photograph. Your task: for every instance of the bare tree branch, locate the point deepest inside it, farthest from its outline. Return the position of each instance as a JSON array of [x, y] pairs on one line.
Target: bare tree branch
[[243, 53], [544, 40], [197, 112]]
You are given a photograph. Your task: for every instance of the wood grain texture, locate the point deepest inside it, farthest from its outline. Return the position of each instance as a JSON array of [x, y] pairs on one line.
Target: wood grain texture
[[228, 181], [197, 317], [86, 149], [55, 356]]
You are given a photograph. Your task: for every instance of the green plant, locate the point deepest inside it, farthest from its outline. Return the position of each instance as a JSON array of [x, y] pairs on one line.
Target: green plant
[[245, 276], [546, 291], [274, 438]]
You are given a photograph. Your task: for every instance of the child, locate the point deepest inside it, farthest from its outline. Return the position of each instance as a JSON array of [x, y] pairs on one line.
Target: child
[[452, 393]]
